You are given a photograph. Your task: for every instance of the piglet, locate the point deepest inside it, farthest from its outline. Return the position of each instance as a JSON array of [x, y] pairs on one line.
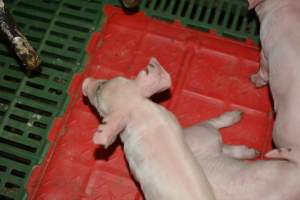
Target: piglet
[[154, 145], [231, 177], [280, 65]]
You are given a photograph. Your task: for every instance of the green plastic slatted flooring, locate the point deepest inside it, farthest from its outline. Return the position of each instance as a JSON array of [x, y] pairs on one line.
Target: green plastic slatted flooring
[[59, 30], [230, 18]]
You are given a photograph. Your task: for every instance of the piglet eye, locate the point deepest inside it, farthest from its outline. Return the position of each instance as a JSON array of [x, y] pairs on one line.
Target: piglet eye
[[98, 89], [100, 86], [103, 82]]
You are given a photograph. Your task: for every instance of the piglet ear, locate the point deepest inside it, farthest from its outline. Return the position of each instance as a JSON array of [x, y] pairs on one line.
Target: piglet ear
[[253, 3], [107, 132], [153, 79]]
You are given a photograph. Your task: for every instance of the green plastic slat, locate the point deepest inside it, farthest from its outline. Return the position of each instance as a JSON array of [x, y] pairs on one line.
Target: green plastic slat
[[206, 15], [11, 165], [19, 152], [59, 30], [8, 85]]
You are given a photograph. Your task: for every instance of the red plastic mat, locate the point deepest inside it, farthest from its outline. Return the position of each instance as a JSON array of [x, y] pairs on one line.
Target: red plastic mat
[[210, 75]]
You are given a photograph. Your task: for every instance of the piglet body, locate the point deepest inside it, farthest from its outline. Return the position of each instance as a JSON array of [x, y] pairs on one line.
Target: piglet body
[[159, 157], [233, 178], [155, 148], [280, 65]]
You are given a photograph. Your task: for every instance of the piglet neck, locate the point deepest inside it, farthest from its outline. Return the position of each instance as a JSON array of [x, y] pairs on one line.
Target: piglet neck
[[139, 116]]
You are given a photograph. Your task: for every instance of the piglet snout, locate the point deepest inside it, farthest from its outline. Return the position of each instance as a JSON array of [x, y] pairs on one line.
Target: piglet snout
[[86, 84], [89, 86]]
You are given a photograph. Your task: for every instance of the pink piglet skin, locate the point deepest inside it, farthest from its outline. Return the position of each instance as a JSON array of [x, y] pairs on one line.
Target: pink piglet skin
[[154, 145], [280, 66]]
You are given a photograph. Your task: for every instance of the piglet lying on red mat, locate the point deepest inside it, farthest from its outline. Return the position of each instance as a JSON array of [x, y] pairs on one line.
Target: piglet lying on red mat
[[154, 144], [233, 179]]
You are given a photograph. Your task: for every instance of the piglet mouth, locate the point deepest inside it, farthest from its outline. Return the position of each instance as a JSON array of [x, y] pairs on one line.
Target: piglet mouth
[[91, 88], [91, 85]]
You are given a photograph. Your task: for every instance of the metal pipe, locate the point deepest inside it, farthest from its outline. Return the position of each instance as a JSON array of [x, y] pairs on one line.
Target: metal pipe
[[17, 40]]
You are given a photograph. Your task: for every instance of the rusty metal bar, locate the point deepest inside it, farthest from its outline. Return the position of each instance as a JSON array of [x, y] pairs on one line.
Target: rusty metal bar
[[17, 40]]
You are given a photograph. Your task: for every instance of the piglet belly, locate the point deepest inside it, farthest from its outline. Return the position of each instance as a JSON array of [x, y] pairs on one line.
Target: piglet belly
[[165, 168], [287, 128]]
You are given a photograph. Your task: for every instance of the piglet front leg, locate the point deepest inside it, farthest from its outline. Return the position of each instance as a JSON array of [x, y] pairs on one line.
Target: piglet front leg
[[261, 78]]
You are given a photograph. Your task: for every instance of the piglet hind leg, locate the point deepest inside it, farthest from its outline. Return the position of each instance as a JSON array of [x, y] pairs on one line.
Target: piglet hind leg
[[261, 78], [241, 152], [226, 119], [235, 151]]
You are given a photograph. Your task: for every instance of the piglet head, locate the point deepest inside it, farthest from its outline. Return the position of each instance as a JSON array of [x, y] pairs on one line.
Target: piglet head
[[114, 99]]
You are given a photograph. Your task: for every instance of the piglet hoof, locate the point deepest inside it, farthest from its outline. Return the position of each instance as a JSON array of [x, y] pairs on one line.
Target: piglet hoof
[[235, 116], [226, 119], [102, 139], [258, 81], [281, 153]]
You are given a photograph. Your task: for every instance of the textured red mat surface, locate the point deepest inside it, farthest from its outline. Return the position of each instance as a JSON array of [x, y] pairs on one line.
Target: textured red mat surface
[[210, 75]]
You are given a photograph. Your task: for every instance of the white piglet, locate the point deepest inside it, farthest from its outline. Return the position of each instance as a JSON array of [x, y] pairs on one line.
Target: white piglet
[[154, 145], [231, 176], [280, 65]]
